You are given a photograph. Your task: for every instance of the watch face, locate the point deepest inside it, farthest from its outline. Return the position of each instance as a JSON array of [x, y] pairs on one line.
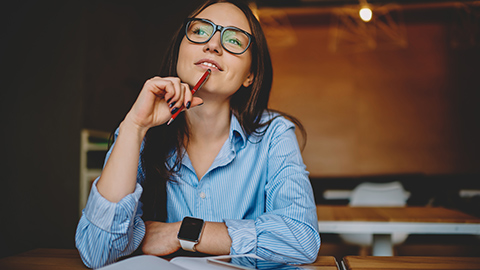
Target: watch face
[[190, 229]]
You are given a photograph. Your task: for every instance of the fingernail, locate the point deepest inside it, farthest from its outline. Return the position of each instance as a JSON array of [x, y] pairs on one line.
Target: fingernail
[[168, 101], [200, 104], [171, 105], [174, 110], [188, 105]]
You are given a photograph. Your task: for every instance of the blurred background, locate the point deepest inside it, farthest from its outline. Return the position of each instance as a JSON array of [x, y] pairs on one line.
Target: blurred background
[[392, 98]]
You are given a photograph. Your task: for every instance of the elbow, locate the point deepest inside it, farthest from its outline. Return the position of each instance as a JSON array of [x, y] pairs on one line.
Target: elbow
[[90, 264], [88, 255], [309, 251], [304, 252], [93, 264], [86, 258], [89, 250], [311, 256], [307, 247], [91, 259], [307, 257], [98, 249]]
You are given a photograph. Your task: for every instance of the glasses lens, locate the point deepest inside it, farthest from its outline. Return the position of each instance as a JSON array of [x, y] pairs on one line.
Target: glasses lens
[[235, 40], [199, 31]]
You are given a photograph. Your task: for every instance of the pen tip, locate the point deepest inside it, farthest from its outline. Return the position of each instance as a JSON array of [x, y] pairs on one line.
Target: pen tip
[[169, 121]]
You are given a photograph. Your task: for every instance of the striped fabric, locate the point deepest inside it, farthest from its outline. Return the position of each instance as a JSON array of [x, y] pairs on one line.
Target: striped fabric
[[258, 186]]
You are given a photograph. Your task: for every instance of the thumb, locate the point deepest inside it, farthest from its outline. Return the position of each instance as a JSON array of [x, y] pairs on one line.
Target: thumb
[[196, 101]]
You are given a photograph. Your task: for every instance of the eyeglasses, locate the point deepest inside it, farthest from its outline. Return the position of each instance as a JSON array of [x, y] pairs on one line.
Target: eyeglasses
[[233, 39]]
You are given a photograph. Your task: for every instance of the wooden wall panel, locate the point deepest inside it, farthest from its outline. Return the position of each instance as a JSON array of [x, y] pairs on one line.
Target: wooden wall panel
[[378, 111]]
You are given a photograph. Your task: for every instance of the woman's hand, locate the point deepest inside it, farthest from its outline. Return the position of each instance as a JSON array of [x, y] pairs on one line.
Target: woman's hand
[[158, 98], [161, 238]]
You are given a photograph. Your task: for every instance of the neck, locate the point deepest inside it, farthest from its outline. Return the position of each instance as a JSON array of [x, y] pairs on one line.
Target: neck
[[209, 123]]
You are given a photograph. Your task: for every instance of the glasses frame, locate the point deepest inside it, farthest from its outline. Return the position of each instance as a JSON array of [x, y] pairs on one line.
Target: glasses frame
[[216, 28]]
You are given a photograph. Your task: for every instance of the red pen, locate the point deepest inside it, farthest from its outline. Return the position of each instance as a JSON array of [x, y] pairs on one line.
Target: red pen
[[197, 87]]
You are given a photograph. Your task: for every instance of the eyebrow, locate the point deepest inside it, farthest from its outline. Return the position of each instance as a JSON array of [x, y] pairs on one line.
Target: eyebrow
[[223, 25]]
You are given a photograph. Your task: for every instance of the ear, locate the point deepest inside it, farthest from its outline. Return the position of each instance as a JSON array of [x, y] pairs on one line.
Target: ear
[[249, 80]]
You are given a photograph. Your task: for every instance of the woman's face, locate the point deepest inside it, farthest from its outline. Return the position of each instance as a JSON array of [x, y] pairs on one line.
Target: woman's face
[[229, 71]]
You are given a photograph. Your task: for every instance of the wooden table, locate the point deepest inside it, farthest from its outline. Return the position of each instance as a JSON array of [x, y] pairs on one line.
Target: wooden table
[[397, 263], [44, 258], [69, 259], [383, 221]]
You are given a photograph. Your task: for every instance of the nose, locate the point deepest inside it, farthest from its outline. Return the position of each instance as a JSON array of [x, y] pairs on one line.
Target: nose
[[214, 44]]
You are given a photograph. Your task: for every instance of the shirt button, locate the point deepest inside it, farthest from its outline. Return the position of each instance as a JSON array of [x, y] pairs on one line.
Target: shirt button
[[202, 195]]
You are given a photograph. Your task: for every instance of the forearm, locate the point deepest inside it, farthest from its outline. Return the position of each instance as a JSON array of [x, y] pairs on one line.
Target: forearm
[[119, 175], [161, 238], [215, 239]]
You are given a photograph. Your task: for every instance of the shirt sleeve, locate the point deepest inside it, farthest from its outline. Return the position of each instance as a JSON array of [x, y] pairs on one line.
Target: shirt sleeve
[[288, 230], [107, 231]]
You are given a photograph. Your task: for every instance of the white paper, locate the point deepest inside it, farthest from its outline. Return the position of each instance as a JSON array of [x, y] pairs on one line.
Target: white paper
[[199, 263], [144, 262], [149, 262]]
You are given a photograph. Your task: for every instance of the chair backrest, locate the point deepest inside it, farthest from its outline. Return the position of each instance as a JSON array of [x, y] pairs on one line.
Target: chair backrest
[[379, 194]]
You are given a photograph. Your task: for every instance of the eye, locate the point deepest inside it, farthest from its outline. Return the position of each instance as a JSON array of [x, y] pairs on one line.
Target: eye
[[235, 42], [199, 31], [232, 38]]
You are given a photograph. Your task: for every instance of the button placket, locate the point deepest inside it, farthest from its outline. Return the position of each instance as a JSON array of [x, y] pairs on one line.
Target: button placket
[[203, 202]]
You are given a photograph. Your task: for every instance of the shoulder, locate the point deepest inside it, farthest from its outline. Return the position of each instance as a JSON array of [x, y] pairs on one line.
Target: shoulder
[[276, 123]]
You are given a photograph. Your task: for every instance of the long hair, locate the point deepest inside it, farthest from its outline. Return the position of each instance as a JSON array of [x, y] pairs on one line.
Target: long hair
[[247, 104]]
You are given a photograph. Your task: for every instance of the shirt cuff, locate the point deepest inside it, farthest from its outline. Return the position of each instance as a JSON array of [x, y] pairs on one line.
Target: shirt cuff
[[101, 212], [243, 235]]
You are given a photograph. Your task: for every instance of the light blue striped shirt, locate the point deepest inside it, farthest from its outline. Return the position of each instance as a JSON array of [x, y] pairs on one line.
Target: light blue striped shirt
[[258, 186]]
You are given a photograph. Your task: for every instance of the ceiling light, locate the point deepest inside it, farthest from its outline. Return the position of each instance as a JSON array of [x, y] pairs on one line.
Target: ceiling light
[[365, 14]]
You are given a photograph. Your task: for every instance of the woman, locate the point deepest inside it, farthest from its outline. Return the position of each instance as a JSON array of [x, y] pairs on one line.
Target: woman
[[231, 162]]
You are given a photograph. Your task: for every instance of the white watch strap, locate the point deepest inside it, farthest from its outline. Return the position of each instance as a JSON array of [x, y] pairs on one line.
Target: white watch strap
[[188, 245]]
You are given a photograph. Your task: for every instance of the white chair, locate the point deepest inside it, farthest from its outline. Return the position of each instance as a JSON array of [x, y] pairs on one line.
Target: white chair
[[376, 194]]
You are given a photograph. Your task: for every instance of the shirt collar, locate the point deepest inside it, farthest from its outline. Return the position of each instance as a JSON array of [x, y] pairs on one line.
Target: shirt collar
[[237, 135], [237, 138]]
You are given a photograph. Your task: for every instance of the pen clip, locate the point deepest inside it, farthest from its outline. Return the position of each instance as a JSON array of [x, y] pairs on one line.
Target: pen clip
[[202, 81]]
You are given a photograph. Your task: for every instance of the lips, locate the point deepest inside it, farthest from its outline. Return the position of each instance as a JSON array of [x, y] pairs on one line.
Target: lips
[[209, 64]]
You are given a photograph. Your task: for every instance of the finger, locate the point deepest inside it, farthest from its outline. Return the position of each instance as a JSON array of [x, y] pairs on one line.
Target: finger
[[187, 100], [176, 94], [170, 90], [156, 85], [181, 99], [196, 101], [163, 88]]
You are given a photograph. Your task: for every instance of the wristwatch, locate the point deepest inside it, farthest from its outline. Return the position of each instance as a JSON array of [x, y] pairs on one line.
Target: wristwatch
[[190, 232]]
